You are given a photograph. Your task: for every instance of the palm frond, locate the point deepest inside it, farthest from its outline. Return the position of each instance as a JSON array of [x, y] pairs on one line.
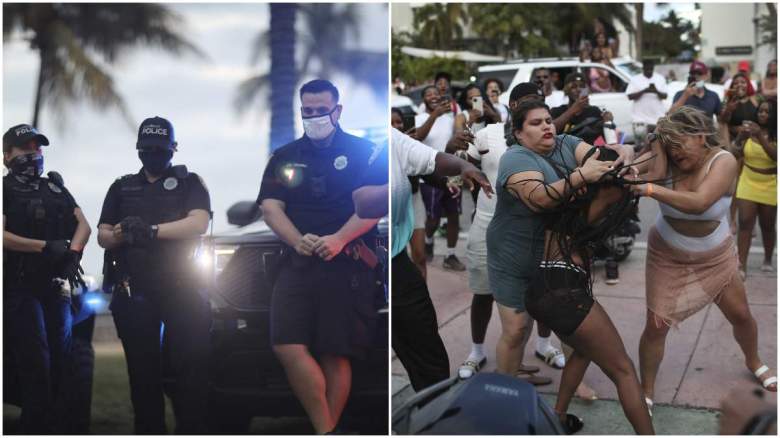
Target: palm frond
[[248, 91]]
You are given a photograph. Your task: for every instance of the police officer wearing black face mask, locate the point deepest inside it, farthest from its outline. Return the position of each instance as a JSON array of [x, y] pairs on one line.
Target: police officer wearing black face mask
[[43, 238], [322, 298], [150, 226]]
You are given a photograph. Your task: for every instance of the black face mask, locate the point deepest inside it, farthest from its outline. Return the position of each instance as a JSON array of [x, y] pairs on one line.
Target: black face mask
[[30, 165], [156, 160]]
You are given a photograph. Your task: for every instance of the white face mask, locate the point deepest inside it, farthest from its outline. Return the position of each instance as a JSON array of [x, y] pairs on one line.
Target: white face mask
[[318, 127]]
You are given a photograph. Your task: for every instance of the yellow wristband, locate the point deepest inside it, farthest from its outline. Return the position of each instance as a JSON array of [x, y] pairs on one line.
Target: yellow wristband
[[649, 189]]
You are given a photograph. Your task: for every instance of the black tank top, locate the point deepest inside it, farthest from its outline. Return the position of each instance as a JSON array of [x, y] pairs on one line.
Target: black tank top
[[744, 111]]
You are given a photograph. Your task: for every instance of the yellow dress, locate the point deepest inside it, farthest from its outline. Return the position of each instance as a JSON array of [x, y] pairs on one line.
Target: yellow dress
[[754, 186]]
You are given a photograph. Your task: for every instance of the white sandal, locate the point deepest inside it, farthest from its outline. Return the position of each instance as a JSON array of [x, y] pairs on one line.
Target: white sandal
[[649, 404], [768, 381]]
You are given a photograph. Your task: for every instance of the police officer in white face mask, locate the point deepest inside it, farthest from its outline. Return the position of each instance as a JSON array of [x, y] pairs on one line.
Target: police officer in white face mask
[[322, 296]]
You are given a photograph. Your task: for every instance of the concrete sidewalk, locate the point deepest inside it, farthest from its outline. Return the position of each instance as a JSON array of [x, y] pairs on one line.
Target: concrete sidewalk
[[701, 365]]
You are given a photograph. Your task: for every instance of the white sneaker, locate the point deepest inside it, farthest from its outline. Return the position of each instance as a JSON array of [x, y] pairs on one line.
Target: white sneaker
[[552, 356], [766, 267]]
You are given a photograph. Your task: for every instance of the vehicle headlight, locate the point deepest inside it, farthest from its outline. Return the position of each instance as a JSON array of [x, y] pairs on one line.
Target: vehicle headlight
[[222, 255], [214, 258]]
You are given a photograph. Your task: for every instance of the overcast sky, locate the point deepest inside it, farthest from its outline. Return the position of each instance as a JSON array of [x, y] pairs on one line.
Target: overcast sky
[[93, 148]]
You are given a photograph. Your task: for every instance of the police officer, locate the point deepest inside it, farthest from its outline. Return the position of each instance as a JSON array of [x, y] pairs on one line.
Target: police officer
[[43, 238], [151, 225], [322, 299]]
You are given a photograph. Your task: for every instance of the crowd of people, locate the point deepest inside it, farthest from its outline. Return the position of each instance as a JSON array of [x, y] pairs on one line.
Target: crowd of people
[[562, 183]]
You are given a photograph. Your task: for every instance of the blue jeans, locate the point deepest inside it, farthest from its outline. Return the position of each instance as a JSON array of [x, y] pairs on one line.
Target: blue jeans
[[186, 318], [37, 324]]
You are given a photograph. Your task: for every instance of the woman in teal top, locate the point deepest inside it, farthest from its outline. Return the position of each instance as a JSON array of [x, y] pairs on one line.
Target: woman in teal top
[[533, 177]]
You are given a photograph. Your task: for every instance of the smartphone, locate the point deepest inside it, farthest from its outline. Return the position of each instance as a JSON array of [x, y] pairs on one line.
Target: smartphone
[[584, 92], [408, 122], [477, 104]]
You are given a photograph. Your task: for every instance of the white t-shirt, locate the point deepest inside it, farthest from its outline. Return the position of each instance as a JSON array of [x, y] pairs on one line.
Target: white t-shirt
[[410, 157], [649, 107], [491, 139], [502, 110], [440, 132], [556, 98]]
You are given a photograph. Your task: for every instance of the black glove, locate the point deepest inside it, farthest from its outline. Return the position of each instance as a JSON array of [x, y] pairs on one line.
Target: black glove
[[72, 270], [137, 232], [55, 250]]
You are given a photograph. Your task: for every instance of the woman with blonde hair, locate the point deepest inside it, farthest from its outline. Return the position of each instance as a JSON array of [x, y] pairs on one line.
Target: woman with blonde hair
[[691, 255]]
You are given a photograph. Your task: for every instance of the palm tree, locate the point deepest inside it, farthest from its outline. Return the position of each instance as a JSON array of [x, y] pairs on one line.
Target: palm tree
[[439, 25], [73, 40], [327, 30]]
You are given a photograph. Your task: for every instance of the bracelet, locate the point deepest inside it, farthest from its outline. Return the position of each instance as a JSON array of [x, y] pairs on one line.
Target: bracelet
[[581, 175], [649, 189]]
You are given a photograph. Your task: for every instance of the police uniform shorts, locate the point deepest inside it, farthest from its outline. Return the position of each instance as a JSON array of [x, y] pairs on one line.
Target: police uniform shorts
[[327, 306], [439, 202], [476, 256], [419, 210]]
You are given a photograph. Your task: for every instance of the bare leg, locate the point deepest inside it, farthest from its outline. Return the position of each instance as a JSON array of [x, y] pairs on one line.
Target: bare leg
[[417, 244], [733, 304], [308, 384], [571, 378], [747, 220], [652, 344], [583, 391], [597, 339], [515, 327], [431, 224], [481, 311], [338, 380], [767, 215]]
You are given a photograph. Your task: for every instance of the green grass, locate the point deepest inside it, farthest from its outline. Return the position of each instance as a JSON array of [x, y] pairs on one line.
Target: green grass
[[112, 412]]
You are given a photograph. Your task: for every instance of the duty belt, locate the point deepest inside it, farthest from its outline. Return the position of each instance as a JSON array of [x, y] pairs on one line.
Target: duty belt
[[358, 250]]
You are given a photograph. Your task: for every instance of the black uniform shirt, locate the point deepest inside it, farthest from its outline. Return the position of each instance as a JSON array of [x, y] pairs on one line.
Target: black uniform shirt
[[316, 184], [197, 196]]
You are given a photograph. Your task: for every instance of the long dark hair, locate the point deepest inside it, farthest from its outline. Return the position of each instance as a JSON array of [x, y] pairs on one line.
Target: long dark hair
[[771, 125], [465, 103]]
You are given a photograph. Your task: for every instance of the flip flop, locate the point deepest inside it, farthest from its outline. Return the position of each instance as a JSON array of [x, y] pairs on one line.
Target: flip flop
[[534, 380], [528, 369], [768, 381], [649, 404], [470, 367], [550, 357], [572, 424]]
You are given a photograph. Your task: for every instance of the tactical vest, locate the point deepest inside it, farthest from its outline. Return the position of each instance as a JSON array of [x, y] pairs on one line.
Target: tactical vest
[[156, 203], [37, 208]]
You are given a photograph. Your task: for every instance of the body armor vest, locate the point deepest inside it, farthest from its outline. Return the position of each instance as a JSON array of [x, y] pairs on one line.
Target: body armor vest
[[162, 261], [36, 208]]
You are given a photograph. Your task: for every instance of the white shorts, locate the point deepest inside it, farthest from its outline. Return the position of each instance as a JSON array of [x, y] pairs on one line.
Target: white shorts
[[419, 210], [476, 256]]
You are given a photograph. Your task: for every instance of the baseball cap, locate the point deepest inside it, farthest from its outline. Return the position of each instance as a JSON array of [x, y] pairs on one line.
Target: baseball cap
[[155, 132], [575, 76], [20, 134], [698, 66], [525, 89], [743, 66]]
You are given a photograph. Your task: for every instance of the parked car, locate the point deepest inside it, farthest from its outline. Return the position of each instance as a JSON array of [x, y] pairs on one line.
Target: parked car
[[515, 72], [246, 379]]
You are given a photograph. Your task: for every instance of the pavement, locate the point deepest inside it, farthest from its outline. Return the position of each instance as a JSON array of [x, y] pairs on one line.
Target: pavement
[[701, 365]]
